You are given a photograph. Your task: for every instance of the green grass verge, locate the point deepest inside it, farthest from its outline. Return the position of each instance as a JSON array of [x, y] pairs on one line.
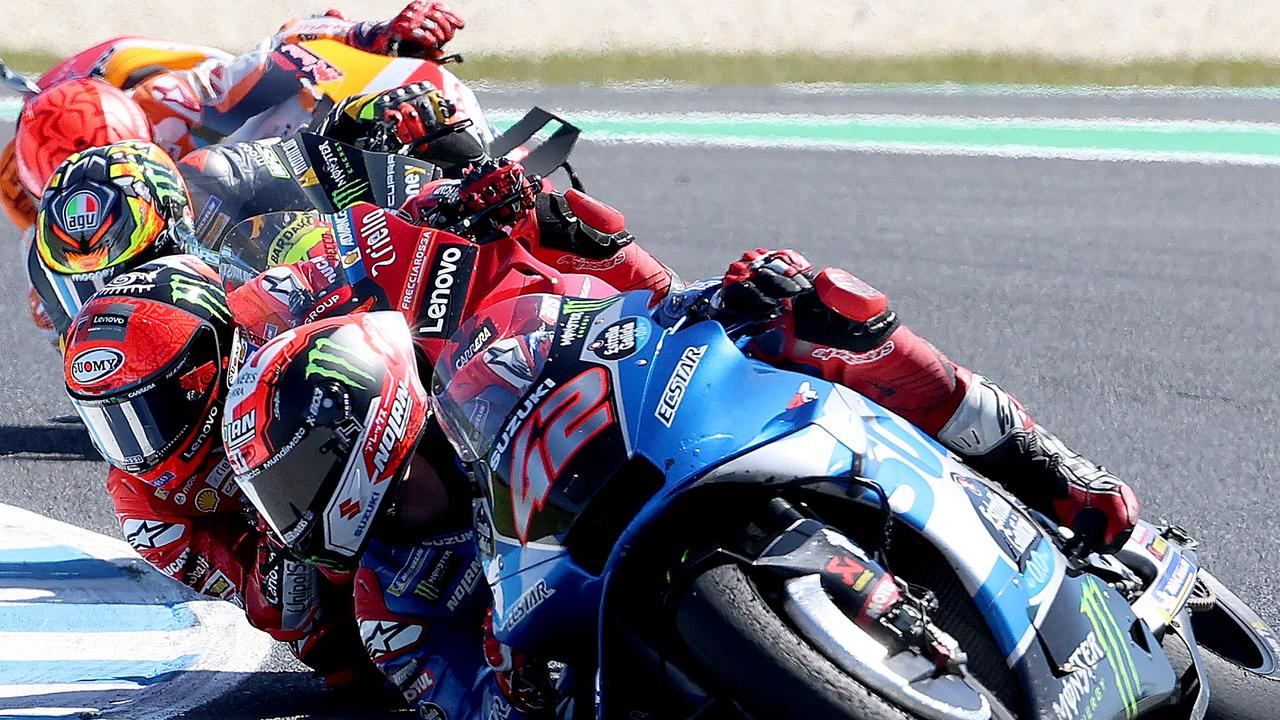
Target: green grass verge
[[762, 69], [28, 62]]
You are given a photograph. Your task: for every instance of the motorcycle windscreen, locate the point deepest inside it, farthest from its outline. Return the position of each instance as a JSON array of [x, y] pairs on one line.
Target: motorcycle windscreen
[[487, 369], [266, 241], [538, 421]]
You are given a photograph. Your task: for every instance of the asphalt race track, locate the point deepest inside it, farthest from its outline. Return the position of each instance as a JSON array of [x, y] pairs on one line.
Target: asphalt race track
[[1133, 307]]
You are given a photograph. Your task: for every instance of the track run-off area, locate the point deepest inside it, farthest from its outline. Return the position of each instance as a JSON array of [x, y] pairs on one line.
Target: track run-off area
[[1109, 256]]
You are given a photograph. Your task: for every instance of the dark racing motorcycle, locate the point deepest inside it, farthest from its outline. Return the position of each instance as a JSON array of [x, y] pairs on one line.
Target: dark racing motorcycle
[[659, 511]]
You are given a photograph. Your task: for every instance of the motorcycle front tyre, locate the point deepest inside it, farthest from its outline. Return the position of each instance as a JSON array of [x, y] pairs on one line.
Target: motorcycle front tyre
[[763, 664]]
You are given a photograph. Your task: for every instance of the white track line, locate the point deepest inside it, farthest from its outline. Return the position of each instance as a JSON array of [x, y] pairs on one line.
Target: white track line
[[1033, 152], [207, 649]]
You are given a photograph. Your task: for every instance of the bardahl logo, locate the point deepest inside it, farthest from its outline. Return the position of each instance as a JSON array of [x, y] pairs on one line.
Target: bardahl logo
[[97, 364]]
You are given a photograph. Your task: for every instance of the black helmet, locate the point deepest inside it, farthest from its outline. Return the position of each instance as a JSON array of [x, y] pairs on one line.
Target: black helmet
[[319, 419]]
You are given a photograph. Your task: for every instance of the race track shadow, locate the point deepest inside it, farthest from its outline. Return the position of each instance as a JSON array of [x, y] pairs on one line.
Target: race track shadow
[[300, 695], [77, 698], [61, 441]]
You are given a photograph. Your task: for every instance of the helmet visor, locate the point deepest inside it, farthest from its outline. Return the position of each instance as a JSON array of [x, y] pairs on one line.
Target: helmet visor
[[315, 494], [137, 427], [285, 486]]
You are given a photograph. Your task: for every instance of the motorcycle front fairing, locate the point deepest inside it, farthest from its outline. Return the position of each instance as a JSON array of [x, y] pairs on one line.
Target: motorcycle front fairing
[[691, 405], [610, 352], [786, 426]]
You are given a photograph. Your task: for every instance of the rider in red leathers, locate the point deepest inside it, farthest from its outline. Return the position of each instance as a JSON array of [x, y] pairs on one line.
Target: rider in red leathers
[[831, 324], [144, 367], [416, 597], [189, 96]]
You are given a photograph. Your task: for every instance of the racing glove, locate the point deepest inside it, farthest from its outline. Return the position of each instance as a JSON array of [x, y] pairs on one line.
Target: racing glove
[[414, 119], [762, 284], [420, 30], [492, 193]]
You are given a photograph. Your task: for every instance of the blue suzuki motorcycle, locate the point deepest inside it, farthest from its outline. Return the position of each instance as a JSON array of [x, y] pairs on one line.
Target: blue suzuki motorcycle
[[675, 520]]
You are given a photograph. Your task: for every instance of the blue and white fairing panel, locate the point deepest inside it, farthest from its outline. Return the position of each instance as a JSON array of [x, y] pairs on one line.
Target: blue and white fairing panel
[[695, 407], [785, 425], [670, 395], [805, 427]]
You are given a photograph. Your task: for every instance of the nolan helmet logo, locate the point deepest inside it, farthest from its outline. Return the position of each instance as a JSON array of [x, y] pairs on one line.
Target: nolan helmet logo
[[81, 212], [91, 366]]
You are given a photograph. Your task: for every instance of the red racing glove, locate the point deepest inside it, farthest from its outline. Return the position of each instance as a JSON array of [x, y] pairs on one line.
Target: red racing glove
[[420, 30], [498, 188], [492, 182], [757, 285], [408, 114], [1101, 510]]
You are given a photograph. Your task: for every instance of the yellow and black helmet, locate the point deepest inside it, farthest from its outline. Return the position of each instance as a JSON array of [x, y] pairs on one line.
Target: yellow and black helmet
[[109, 209]]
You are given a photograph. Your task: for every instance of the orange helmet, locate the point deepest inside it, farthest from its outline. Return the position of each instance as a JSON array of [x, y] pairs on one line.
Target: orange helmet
[[69, 117]]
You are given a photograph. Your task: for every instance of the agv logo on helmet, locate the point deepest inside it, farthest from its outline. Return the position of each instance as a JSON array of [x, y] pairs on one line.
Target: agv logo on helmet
[[81, 213]]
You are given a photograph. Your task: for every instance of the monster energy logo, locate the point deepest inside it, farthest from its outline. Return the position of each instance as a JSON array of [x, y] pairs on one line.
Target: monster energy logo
[[329, 359], [347, 194], [1093, 604], [200, 293], [573, 305]]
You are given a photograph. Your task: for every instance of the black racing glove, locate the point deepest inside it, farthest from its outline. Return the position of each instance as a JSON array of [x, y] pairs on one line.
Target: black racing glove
[[757, 286]]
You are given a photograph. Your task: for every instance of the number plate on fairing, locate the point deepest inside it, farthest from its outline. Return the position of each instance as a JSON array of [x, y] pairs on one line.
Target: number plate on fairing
[[567, 437]]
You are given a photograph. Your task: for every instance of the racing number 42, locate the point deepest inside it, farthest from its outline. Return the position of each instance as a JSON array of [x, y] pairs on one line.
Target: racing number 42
[[560, 427]]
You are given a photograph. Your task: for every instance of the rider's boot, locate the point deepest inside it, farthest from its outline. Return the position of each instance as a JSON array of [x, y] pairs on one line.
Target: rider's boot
[[997, 437], [842, 329]]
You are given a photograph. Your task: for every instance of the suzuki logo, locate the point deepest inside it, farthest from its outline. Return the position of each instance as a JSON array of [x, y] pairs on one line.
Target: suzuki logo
[[349, 508]]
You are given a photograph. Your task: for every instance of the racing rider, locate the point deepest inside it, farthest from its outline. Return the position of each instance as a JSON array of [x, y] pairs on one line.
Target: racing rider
[[343, 398], [140, 89], [145, 370], [93, 224], [172, 93]]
